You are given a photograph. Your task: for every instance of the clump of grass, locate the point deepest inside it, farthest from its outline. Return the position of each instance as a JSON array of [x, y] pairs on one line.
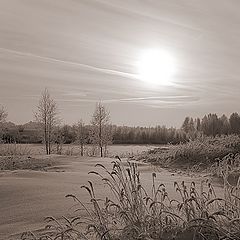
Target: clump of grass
[[133, 212], [25, 162], [202, 152], [224, 167]]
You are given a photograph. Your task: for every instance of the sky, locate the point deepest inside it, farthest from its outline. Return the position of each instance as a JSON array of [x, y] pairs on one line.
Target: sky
[[86, 51]]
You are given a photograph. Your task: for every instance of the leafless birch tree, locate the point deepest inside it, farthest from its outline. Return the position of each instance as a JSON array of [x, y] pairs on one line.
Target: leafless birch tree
[[81, 135], [47, 116], [3, 114], [101, 134]]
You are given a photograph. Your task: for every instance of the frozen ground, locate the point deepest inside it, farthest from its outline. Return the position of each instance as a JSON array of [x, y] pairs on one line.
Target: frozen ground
[[28, 196]]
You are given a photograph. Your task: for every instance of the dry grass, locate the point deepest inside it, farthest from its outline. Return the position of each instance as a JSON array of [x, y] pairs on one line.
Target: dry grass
[[133, 212], [71, 150], [200, 153], [26, 162], [14, 150]]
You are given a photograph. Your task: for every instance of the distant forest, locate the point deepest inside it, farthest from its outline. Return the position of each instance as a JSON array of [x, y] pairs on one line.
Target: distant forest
[[209, 125]]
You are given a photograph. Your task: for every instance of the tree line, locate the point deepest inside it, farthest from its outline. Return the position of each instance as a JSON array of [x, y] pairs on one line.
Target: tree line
[[80, 132], [212, 125], [100, 132], [47, 129]]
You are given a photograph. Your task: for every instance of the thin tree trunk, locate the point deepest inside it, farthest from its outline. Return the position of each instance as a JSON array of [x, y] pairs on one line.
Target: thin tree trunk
[[46, 145], [101, 149], [49, 141], [49, 148], [81, 149], [100, 137], [45, 138]]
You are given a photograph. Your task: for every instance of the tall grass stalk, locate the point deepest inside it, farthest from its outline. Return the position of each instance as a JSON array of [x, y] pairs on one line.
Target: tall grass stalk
[[133, 212]]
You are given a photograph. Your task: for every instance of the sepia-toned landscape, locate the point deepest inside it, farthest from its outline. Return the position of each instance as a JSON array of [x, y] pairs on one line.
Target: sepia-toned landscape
[[119, 120]]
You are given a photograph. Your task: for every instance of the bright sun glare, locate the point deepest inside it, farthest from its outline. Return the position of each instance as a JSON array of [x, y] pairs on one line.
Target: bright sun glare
[[156, 67]]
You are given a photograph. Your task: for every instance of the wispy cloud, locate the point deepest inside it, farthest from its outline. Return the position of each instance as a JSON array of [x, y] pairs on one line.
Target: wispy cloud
[[72, 63], [127, 9], [155, 102], [75, 94], [84, 60], [163, 99]]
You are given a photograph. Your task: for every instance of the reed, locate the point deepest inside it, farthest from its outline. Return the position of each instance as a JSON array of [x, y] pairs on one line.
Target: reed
[[132, 212]]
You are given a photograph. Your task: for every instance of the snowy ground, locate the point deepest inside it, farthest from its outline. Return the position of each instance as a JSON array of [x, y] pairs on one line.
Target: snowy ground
[[28, 196]]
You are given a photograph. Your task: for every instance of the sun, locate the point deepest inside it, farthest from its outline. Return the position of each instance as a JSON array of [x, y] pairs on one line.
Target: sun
[[156, 67]]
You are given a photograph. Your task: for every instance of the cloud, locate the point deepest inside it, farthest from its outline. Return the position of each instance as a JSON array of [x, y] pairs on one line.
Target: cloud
[[72, 63], [153, 102], [159, 99], [148, 12]]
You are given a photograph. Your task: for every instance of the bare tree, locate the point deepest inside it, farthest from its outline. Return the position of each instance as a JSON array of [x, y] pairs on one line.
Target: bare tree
[[47, 116], [100, 127], [107, 137], [58, 139], [3, 114], [81, 135]]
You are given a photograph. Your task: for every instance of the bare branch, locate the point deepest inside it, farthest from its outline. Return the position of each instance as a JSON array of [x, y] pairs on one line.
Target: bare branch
[[101, 133], [47, 116]]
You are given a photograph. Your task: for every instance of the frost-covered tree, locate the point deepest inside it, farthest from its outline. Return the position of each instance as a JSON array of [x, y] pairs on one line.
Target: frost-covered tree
[[235, 123], [81, 135], [3, 114], [101, 132], [47, 116]]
